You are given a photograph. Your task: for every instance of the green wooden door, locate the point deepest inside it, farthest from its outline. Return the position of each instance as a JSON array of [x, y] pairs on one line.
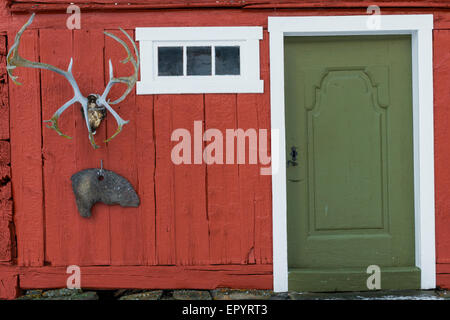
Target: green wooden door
[[350, 191]]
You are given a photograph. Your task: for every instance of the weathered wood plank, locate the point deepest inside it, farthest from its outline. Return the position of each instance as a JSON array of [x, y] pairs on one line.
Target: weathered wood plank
[[23, 5], [145, 163], [442, 149], [191, 218], [9, 288], [58, 152], [92, 234], [263, 194], [223, 188], [181, 219], [125, 223], [26, 157], [4, 103], [164, 182], [6, 217], [5, 153], [205, 17], [157, 277]]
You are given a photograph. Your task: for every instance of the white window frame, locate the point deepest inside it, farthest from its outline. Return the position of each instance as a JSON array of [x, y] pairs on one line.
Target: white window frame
[[420, 28], [247, 38]]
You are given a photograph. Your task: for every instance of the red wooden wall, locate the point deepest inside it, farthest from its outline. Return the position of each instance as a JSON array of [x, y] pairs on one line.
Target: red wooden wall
[[197, 226]]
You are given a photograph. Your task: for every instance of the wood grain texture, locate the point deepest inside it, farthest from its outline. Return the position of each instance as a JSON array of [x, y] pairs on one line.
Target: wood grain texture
[[9, 287], [26, 158], [164, 182], [157, 277], [191, 218], [181, 219], [203, 17], [441, 76], [253, 111], [23, 5], [6, 226], [127, 243], [223, 190], [58, 153], [93, 234], [4, 103], [145, 165]]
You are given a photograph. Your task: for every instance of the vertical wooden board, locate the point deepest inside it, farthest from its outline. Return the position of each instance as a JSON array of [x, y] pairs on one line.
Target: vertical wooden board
[[58, 152], [164, 181], [5, 233], [9, 285], [256, 191], [191, 219], [93, 234], [181, 218], [263, 195], [5, 214], [223, 190], [145, 163], [125, 223], [248, 177], [442, 148], [26, 157], [4, 103]]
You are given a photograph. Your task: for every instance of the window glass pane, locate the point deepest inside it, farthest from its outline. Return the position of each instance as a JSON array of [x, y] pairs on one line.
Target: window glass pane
[[170, 61], [228, 60], [198, 61]]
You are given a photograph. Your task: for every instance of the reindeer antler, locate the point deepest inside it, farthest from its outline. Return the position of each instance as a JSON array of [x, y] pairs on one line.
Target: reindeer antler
[[14, 60], [129, 81]]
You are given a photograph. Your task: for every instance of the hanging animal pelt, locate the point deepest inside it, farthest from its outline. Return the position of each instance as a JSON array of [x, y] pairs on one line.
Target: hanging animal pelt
[[98, 185]]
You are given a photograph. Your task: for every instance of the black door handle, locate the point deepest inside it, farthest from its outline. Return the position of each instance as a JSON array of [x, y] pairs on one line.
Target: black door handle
[[293, 154]]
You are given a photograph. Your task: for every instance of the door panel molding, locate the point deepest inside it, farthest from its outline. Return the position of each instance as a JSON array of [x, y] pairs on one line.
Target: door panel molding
[[420, 28]]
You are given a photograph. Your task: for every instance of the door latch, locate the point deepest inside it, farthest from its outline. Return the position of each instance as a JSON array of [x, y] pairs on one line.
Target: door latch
[[293, 154]]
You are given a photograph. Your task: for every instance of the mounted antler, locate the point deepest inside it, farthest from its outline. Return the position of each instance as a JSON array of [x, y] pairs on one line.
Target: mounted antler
[[93, 106]]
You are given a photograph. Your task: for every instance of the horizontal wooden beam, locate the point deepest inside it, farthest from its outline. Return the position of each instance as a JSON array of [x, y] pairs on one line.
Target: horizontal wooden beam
[[55, 5], [141, 277]]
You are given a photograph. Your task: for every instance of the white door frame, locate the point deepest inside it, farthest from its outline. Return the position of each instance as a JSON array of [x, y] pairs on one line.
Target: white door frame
[[420, 28]]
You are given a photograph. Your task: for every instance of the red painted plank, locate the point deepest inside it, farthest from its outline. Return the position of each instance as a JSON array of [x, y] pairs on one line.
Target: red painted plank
[[8, 286], [442, 267], [205, 17], [248, 176], [191, 218], [58, 152], [253, 111], [263, 195], [164, 181], [198, 277], [5, 237], [145, 163], [181, 219], [441, 50], [125, 223], [5, 153], [93, 234], [26, 157], [5, 184], [443, 281], [26, 5], [224, 207], [4, 103]]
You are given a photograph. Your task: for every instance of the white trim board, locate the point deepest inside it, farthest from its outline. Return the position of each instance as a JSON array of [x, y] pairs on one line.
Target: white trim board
[[420, 28]]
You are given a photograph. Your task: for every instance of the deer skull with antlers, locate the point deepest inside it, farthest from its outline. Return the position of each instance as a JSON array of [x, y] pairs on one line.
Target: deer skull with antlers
[[94, 106]]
